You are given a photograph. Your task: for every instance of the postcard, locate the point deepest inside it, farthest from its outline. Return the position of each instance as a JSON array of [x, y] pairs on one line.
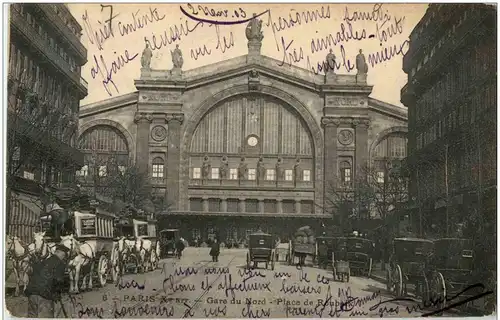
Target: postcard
[[259, 160]]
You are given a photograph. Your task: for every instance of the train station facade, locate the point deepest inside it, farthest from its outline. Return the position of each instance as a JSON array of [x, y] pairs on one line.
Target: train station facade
[[245, 143]]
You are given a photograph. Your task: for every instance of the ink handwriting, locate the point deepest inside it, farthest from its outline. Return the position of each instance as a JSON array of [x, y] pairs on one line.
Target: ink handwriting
[[141, 310], [129, 284], [101, 68], [194, 16], [140, 21], [229, 287], [105, 30]]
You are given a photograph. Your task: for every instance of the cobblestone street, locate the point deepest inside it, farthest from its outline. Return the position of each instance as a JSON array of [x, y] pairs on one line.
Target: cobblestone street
[[194, 286]]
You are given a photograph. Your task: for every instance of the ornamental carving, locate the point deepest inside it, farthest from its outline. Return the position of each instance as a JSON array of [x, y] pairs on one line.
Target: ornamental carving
[[143, 116], [159, 97], [361, 123], [174, 117], [346, 137], [159, 133], [348, 102]]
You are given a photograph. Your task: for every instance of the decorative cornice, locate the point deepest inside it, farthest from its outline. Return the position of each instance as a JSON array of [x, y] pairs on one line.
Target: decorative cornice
[[174, 117], [329, 122], [362, 123], [143, 117]]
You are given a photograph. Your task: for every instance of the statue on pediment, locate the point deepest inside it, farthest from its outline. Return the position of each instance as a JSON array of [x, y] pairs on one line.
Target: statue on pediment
[[177, 59], [330, 62], [254, 29], [296, 170], [280, 173], [224, 168], [261, 170], [361, 64], [242, 169], [205, 168], [147, 54]]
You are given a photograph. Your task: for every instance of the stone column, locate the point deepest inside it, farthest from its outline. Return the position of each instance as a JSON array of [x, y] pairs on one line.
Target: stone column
[[143, 121], [206, 208], [242, 205], [261, 205], [223, 205], [330, 126], [279, 205], [297, 207], [174, 121], [361, 155]]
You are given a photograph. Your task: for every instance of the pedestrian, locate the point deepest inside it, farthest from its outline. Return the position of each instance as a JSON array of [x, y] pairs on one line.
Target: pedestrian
[[180, 247], [215, 250], [46, 284]]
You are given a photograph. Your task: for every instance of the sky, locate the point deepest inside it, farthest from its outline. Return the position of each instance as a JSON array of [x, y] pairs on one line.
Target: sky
[[298, 34]]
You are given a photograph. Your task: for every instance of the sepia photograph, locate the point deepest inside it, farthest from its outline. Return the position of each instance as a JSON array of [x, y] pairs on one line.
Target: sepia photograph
[[250, 160]]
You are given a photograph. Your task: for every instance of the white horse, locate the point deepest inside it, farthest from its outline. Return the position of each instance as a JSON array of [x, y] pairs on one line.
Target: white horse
[[43, 249], [119, 255], [21, 256], [81, 262], [143, 247], [155, 256]]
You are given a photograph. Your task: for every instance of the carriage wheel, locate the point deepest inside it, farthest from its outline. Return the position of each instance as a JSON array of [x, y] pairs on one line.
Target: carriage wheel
[[439, 290], [388, 276], [425, 290], [398, 281], [248, 260], [370, 265], [102, 270]]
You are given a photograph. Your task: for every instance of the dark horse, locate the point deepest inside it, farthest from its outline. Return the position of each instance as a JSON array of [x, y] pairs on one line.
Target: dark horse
[[60, 205]]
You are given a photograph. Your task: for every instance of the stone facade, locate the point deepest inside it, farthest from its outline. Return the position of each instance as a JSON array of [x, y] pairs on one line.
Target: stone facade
[[246, 137]]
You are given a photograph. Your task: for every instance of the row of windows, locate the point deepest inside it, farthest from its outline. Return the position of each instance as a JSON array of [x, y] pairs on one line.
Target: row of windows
[[251, 205], [102, 171], [28, 70], [252, 174], [473, 63], [431, 51], [51, 42], [465, 114]]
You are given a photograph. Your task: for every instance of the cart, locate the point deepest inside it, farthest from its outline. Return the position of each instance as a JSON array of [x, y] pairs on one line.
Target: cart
[[341, 267], [359, 252], [260, 249], [409, 264], [302, 245], [324, 250], [452, 268], [168, 240]]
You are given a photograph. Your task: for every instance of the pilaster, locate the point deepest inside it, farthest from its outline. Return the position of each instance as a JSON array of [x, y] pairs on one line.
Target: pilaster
[[241, 205], [174, 121], [330, 126], [361, 156], [298, 209], [143, 121]]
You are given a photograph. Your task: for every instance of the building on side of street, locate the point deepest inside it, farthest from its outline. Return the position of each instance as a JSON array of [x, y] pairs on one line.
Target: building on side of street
[[244, 143], [44, 92], [451, 100]]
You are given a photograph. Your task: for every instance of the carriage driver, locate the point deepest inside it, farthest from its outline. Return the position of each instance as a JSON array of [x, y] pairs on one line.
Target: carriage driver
[[46, 284]]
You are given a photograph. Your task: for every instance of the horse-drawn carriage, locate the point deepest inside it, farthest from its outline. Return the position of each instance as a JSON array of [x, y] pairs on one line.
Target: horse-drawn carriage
[[168, 240], [260, 249], [409, 264], [302, 245], [91, 248], [359, 255], [138, 247], [451, 269]]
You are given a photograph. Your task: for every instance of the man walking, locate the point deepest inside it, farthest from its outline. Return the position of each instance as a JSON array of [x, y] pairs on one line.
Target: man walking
[[45, 284]]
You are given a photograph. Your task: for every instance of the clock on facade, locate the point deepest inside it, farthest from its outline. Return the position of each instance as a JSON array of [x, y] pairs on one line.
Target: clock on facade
[[252, 141]]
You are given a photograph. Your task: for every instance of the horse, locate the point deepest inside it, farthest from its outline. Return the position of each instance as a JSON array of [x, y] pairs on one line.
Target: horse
[[119, 255], [81, 260], [43, 250], [21, 256], [143, 248]]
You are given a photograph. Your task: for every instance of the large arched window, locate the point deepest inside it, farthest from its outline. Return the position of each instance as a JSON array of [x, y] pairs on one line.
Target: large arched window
[[387, 153], [105, 150]]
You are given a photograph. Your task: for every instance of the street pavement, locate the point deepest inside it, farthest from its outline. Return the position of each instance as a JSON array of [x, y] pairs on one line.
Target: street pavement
[[196, 287]]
